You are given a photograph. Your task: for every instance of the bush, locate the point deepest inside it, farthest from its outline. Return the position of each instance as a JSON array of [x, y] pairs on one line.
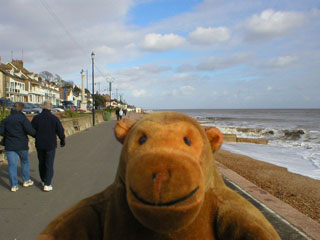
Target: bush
[[109, 108], [99, 111], [70, 114], [3, 113]]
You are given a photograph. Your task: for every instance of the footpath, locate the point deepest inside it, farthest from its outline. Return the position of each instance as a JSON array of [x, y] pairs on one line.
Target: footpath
[[88, 165], [85, 166]]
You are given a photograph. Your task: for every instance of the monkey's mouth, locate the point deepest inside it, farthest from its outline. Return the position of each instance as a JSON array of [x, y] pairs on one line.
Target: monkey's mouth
[[166, 204]]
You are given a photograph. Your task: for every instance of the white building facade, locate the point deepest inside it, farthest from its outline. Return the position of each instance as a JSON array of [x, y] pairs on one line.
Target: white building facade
[[20, 85]]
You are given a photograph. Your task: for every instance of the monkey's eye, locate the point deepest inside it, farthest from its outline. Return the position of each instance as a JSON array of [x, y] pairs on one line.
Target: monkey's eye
[[187, 141], [142, 139]]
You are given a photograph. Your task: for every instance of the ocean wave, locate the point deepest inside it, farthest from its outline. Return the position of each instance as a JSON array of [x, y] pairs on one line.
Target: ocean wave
[[300, 161], [301, 138], [269, 133], [293, 136]]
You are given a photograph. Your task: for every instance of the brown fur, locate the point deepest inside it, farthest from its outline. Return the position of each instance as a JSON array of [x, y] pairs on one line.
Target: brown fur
[[167, 187]]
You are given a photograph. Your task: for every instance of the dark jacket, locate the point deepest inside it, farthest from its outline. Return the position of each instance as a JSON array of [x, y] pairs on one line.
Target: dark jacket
[[48, 127], [15, 129]]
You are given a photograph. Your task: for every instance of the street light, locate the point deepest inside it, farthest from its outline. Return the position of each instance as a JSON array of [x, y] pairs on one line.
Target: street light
[[93, 102], [110, 86]]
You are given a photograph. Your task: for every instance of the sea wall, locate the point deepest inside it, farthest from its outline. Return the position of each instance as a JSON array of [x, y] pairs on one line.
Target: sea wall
[[71, 126]]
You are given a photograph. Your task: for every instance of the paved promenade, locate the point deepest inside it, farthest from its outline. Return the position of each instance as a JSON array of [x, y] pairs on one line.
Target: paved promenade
[[86, 165]]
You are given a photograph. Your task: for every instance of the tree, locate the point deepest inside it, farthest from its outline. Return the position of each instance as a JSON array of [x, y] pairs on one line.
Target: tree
[[57, 78], [76, 90], [100, 101], [46, 75], [67, 84]]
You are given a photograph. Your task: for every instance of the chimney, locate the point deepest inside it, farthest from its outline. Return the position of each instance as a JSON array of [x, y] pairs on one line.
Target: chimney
[[18, 63]]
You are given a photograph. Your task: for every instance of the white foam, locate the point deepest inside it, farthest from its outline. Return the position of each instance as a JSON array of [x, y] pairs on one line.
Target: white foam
[[302, 162], [294, 143]]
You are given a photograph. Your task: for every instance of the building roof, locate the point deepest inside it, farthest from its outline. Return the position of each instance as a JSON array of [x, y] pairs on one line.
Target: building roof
[[19, 65], [20, 73]]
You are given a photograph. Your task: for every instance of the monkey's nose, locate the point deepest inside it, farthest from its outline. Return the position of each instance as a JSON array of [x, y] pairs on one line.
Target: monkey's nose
[[159, 178]]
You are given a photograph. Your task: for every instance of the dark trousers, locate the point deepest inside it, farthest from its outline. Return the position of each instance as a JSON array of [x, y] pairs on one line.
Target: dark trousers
[[46, 158]]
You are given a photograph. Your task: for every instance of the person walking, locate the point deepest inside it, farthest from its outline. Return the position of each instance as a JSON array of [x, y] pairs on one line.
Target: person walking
[[48, 127], [120, 114], [15, 130], [117, 113]]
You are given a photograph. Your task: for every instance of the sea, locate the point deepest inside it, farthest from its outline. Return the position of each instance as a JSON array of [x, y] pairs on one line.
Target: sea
[[293, 134]]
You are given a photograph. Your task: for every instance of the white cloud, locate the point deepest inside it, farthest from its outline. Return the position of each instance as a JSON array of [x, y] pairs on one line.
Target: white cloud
[[75, 10], [249, 98], [183, 91], [210, 35], [181, 77], [105, 50], [225, 92], [119, 39], [63, 44], [175, 92], [272, 23], [279, 62], [315, 12], [158, 42], [139, 93], [187, 90], [145, 70], [213, 63], [283, 61], [186, 68], [153, 68]]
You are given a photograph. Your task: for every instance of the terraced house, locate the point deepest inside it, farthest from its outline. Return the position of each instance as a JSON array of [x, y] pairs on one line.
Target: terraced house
[[20, 85]]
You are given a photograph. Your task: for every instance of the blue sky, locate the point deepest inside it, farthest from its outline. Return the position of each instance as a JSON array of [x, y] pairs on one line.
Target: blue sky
[[175, 53], [150, 12]]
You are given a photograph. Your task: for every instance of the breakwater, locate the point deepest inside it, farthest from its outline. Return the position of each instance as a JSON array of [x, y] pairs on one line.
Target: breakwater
[[234, 138]]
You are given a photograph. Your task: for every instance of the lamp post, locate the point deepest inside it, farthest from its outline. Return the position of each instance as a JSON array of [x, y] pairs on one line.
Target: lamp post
[[93, 102], [110, 85]]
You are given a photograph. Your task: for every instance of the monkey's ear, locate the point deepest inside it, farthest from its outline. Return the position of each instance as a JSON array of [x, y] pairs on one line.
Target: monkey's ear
[[215, 137], [122, 129]]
